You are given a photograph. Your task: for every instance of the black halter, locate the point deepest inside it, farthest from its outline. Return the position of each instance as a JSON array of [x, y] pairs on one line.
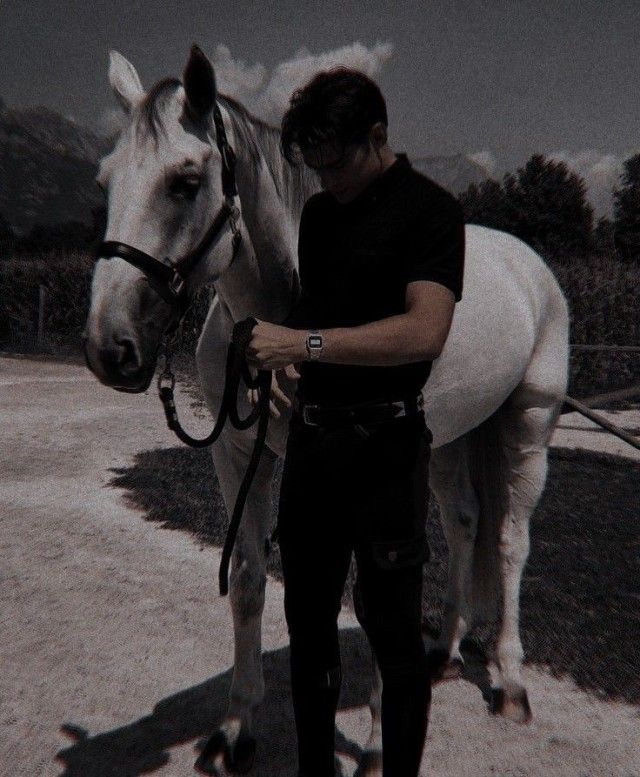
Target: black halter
[[168, 277]]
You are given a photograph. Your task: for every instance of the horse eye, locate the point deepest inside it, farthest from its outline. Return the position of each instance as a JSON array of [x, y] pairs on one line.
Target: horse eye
[[185, 187]]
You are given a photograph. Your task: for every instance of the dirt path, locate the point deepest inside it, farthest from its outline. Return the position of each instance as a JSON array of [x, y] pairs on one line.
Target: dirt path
[[113, 631]]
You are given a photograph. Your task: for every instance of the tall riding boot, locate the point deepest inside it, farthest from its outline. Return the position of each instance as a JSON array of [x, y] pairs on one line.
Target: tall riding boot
[[405, 715], [315, 701]]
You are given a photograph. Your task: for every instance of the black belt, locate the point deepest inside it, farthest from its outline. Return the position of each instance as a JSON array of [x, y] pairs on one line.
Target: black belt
[[324, 415]]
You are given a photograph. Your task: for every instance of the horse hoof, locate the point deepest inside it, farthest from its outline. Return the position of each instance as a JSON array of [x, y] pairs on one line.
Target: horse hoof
[[444, 668], [240, 758], [513, 706], [237, 760], [437, 659], [370, 764], [453, 669], [215, 745]]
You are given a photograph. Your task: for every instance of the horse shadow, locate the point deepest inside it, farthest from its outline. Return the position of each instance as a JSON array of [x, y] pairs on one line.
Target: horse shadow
[[579, 588], [144, 745]]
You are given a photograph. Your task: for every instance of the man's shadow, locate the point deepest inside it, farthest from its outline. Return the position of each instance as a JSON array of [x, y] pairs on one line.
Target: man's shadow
[[193, 714], [580, 546], [145, 744]]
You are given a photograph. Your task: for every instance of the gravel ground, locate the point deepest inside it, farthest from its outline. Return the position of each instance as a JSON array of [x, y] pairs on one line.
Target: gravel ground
[[116, 646]]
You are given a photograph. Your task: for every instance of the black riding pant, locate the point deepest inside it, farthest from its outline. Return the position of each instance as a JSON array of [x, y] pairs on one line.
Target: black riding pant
[[361, 489]]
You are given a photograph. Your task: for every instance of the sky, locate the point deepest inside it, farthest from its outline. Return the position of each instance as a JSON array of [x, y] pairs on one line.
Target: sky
[[496, 80]]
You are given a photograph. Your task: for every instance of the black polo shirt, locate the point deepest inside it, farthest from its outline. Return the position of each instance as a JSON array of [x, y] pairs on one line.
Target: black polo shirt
[[355, 260]]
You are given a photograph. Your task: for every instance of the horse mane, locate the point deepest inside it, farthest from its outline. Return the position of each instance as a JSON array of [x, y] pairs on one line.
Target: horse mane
[[259, 140], [154, 99]]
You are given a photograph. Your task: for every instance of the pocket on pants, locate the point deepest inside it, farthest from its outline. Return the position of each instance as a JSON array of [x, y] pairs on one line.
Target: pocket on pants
[[400, 554]]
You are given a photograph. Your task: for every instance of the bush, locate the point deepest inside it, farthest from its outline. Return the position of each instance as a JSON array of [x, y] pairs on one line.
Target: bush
[[66, 276], [602, 296], [601, 291], [626, 206]]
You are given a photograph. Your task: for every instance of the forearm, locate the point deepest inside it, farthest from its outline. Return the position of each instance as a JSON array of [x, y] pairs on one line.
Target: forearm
[[390, 341]]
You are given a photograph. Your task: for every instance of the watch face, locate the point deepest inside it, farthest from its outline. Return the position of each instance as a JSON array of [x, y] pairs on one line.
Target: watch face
[[315, 341]]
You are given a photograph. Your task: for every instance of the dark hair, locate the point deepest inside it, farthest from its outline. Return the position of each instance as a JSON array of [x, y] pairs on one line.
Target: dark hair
[[339, 105]]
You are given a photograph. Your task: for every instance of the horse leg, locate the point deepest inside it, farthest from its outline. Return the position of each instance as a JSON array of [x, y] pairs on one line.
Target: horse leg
[[450, 483], [234, 738], [527, 422], [525, 435]]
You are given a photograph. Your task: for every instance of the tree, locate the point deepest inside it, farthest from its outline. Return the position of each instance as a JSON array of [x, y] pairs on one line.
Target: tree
[[544, 203], [550, 208], [626, 209], [603, 236], [66, 234], [486, 204], [7, 235]]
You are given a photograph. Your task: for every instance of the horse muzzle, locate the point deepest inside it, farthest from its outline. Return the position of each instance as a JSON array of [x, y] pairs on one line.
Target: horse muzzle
[[118, 364]]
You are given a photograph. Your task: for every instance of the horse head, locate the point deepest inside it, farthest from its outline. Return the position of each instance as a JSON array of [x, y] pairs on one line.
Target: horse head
[[163, 181]]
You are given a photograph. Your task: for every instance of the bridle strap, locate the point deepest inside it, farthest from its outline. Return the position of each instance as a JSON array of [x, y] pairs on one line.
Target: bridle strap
[[169, 279], [165, 279], [228, 156]]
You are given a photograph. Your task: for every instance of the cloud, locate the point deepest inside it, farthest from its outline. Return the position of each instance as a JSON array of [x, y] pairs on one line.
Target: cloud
[[268, 97], [487, 160], [601, 173], [266, 94], [234, 77]]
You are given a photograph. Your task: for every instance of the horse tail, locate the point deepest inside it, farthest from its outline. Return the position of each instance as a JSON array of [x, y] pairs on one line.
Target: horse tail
[[488, 469]]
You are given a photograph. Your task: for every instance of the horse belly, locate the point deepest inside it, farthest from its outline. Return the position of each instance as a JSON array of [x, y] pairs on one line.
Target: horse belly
[[492, 336]]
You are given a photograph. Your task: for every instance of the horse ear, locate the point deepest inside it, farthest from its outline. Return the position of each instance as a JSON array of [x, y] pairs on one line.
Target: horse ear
[[124, 81], [199, 84]]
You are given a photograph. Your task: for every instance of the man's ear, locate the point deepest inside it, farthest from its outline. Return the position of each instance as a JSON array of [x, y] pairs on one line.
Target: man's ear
[[124, 81], [378, 134]]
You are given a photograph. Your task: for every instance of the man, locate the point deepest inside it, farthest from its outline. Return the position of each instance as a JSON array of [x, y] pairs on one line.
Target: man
[[381, 255]]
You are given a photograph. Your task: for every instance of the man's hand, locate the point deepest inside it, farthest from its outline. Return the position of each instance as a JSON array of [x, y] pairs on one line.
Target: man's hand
[[276, 391], [273, 346]]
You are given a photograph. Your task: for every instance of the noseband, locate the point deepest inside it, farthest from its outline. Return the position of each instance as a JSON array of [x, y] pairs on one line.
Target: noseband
[[169, 278]]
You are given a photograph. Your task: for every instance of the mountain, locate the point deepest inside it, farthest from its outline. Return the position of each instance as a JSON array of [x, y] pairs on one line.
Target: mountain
[[48, 164], [47, 168], [454, 173]]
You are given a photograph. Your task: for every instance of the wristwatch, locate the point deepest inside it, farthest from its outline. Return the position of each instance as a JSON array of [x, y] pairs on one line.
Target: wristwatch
[[314, 345]]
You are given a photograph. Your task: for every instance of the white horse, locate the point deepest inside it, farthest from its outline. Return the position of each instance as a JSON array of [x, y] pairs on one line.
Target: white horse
[[491, 401]]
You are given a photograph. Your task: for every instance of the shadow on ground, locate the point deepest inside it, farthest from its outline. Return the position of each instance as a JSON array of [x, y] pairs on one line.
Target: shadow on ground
[[581, 587], [144, 745]]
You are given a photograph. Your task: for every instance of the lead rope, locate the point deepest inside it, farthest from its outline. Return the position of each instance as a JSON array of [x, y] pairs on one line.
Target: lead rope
[[236, 367]]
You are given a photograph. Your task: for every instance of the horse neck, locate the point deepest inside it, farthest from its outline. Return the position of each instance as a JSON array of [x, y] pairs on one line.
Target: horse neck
[[263, 280]]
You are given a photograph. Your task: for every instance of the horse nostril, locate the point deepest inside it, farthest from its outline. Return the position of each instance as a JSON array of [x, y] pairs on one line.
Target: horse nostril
[[128, 356]]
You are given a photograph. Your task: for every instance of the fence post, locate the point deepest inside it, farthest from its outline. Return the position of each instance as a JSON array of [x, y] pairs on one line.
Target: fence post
[[41, 301]]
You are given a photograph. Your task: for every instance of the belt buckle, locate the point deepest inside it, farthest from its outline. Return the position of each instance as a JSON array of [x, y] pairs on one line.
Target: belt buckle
[[305, 417]]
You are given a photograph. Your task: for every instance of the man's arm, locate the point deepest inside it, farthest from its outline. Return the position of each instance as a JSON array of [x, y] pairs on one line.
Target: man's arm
[[434, 273], [433, 279], [418, 334]]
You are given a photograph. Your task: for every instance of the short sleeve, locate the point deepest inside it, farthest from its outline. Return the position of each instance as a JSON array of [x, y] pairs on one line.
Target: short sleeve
[[436, 246], [301, 314]]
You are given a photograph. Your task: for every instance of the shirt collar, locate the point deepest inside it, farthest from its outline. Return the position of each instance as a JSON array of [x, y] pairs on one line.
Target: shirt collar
[[380, 186]]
